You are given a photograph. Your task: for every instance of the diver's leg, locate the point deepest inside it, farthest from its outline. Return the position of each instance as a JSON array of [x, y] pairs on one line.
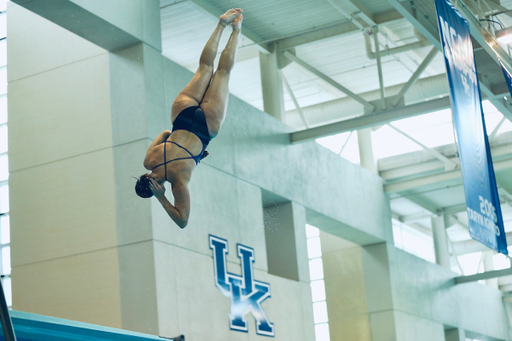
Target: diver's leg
[[193, 93], [215, 100]]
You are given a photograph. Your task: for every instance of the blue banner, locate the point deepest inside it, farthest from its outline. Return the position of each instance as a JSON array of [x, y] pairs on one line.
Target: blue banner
[[483, 205], [508, 76]]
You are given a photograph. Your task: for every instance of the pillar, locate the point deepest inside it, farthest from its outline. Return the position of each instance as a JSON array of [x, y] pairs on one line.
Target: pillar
[[440, 241], [272, 85], [285, 239], [367, 160], [93, 113], [489, 266]]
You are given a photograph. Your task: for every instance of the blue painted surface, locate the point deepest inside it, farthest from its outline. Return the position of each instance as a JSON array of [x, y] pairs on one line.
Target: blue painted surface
[[32, 327], [485, 220], [508, 76], [246, 294]]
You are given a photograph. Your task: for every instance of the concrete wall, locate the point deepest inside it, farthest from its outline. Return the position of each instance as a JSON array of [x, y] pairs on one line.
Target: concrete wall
[[379, 292], [85, 247], [60, 168], [345, 289], [81, 119]]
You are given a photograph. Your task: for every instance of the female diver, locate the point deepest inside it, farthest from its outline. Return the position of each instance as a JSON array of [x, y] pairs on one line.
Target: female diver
[[197, 115]]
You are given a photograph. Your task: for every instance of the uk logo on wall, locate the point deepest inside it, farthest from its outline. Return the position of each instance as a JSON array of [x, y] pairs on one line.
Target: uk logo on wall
[[246, 294]]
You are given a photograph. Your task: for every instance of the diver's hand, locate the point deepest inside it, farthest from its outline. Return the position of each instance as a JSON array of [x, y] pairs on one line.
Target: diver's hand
[[157, 189]]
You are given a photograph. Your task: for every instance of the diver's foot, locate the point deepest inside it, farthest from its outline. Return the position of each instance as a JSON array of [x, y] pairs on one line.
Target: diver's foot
[[237, 23], [228, 17]]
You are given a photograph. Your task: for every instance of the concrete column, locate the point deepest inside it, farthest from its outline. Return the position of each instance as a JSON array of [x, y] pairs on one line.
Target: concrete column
[[489, 266], [272, 85], [344, 282], [364, 139], [379, 292], [285, 238], [440, 241], [456, 334], [137, 111], [94, 118]]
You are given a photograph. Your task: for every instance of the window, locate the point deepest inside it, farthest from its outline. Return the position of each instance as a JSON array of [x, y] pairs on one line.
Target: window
[[413, 241], [5, 248], [316, 272]]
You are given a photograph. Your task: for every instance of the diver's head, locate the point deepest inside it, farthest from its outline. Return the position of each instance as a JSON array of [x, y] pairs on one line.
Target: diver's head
[[142, 187]]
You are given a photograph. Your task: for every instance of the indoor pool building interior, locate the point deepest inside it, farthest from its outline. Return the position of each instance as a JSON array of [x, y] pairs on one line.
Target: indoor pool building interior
[[332, 205]]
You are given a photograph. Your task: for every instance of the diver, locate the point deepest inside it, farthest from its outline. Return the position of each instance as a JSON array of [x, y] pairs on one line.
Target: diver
[[197, 114]]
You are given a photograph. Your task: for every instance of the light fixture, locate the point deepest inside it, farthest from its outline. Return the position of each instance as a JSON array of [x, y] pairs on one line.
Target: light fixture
[[504, 36]]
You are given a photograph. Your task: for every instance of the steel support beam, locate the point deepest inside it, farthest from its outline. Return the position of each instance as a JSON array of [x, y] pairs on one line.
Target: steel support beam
[[495, 130], [404, 185], [419, 22], [362, 11], [394, 50], [370, 120], [471, 246], [454, 209], [448, 164], [399, 186], [431, 32], [503, 106], [346, 143], [349, 16], [294, 100], [329, 80], [406, 166], [449, 211], [483, 275], [346, 27], [415, 76], [375, 33]]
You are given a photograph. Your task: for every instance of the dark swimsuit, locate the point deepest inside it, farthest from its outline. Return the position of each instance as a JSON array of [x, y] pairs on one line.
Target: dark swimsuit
[[191, 119]]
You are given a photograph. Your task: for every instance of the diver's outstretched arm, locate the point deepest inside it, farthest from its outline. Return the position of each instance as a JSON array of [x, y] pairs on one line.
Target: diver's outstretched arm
[[179, 212]]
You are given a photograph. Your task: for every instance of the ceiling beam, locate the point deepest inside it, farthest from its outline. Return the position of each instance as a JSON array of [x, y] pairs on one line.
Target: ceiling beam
[[294, 99], [412, 218], [471, 246], [211, 9], [370, 120], [432, 210], [411, 169], [329, 80], [346, 27], [449, 164], [362, 12], [415, 76], [438, 179], [483, 275], [418, 163], [424, 26], [453, 209], [498, 101], [477, 32]]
